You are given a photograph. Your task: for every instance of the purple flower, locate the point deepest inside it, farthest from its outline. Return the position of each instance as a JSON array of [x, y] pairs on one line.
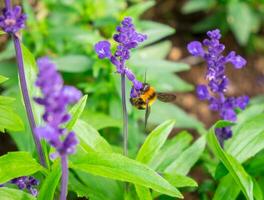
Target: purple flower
[[211, 50], [26, 182], [56, 98], [127, 39], [12, 20]]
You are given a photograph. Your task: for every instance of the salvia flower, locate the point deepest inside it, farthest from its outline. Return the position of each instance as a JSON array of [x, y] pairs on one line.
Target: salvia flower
[[28, 183], [56, 98], [12, 20], [127, 39], [211, 50]]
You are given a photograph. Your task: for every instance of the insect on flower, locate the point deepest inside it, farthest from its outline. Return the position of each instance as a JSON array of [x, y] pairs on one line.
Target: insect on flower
[[143, 98]]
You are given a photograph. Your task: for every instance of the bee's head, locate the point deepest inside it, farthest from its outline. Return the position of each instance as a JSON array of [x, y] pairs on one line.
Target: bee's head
[[145, 87]]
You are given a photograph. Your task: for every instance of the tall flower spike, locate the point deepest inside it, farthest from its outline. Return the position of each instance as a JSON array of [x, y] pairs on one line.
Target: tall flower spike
[[56, 98], [127, 39], [12, 20], [211, 50]]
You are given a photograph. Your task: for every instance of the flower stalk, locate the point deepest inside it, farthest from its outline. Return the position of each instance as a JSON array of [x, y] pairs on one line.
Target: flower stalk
[[125, 116], [11, 22], [64, 179]]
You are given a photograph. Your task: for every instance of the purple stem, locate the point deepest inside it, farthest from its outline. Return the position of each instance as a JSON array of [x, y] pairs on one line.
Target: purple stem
[[26, 98], [64, 178], [24, 89], [125, 117]]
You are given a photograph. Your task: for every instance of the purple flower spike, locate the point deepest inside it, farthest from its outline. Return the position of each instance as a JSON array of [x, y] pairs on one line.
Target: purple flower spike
[[127, 39], [26, 182], [56, 98], [12, 20], [211, 51]]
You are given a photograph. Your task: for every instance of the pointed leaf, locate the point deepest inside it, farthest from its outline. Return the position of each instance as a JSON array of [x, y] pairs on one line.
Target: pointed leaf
[[116, 166], [13, 194]]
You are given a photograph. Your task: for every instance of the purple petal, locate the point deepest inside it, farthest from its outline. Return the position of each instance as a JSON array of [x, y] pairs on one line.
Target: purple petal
[[202, 92], [102, 49], [195, 48]]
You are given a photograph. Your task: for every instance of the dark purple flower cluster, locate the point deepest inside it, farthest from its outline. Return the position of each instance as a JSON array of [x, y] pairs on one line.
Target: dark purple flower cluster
[[12, 20], [56, 98], [211, 50], [26, 182], [127, 39]]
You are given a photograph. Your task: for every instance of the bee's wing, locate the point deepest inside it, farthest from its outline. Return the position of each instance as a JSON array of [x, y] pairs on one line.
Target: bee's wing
[[147, 113], [166, 97]]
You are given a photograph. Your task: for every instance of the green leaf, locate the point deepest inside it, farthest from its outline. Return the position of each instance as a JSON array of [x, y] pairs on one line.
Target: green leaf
[[236, 170], [90, 139], [253, 130], [73, 63], [193, 6], [257, 190], [155, 66], [143, 193], [153, 51], [227, 189], [171, 150], [3, 79], [155, 31], [116, 166], [76, 112], [13, 194], [9, 119], [95, 119], [48, 187], [94, 187], [242, 29], [137, 10], [188, 158], [164, 111], [16, 164], [179, 181], [154, 142]]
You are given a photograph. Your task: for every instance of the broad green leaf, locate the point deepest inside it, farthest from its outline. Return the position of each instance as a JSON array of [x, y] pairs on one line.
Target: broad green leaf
[[153, 51], [95, 119], [137, 10], [8, 53], [236, 170], [155, 66], [236, 11], [76, 112], [179, 181], [164, 111], [155, 31], [154, 142], [73, 63], [16, 164], [187, 158], [13, 194], [9, 119], [227, 189], [253, 130], [3, 79], [116, 166], [143, 193], [94, 187], [49, 185], [90, 139], [192, 6], [171, 150]]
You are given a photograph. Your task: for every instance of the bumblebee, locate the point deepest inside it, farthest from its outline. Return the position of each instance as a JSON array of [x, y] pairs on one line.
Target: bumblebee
[[147, 96]]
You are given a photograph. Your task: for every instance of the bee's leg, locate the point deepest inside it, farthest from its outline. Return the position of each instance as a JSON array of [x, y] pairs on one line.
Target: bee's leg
[[147, 113]]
